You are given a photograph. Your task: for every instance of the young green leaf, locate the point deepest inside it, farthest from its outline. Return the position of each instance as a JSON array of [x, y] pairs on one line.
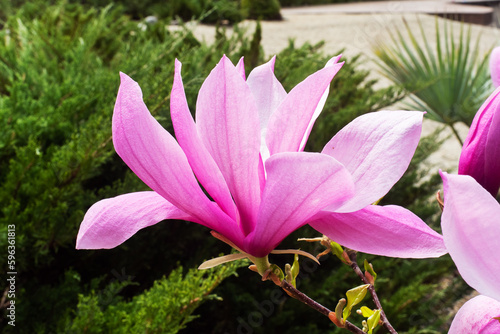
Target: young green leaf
[[354, 297]]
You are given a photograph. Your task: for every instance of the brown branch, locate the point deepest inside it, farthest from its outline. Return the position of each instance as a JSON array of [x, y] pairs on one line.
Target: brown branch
[[293, 292], [371, 288]]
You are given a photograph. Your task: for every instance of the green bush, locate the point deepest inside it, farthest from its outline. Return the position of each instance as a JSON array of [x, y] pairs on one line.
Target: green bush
[[164, 308], [261, 9], [207, 11]]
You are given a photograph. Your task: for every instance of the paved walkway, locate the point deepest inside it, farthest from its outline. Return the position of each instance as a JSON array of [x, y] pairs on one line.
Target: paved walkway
[[471, 11]]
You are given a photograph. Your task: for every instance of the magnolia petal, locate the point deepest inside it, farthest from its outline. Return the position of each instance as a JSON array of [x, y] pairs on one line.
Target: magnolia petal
[[471, 232], [376, 148], [199, 158], [268, 93], [156, 158], [222, 259], [228, 123], [298, 185], [110, 222], [240, 67], [290, 122], [477, 317], [381, 230], [319, 107], [480, 157], [495, 66]]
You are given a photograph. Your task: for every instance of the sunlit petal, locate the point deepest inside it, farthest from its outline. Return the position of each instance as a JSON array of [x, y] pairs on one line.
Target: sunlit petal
[[292, 119], [228, 123], [298, 185], [377, 149], [381, 230], [110, 222], [471, 232], [199, 158]]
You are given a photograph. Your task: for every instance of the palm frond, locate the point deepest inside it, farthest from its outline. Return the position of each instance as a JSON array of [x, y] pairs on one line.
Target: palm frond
[[448, 79]]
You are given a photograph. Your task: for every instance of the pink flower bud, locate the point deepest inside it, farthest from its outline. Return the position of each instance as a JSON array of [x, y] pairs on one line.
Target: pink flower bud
[[480, 156]]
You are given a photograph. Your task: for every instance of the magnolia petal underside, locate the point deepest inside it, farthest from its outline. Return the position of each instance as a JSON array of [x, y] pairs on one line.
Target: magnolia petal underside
[[319, 106], [156, 158], [110, 222], [381, 230], [228, 123], [376, 148], [471, 232], [268, 93], [200, 160], [290, 122]]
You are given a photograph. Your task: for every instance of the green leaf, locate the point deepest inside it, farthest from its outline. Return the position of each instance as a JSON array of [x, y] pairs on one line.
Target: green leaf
[[337, 250], [373, 321], [369, 268], [277, 271], [366, 312], [354, 297]]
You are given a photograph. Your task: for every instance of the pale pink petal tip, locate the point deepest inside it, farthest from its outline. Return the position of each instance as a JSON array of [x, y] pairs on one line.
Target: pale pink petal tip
[[272, 62], [334, 60], [477, 316]]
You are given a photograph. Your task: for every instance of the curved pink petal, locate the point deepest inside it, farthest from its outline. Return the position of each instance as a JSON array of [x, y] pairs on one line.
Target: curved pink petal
[[376, 148], [228, 123], [495, 66], [298, 185], [156, 158], [319, 107], [477, 317], [471, 230], [291, 121], [381, 230], [480, 157], [200, 160], [110, 222], [268, 93]]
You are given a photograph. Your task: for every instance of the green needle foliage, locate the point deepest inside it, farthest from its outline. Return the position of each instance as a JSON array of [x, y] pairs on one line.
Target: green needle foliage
[[150, 312], [449, 80]]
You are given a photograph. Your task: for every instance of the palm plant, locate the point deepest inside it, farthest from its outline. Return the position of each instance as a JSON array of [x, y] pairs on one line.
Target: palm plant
[[449, 80]]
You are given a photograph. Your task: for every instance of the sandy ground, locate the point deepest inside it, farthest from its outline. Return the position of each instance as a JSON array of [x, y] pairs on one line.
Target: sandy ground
[[357, 34]]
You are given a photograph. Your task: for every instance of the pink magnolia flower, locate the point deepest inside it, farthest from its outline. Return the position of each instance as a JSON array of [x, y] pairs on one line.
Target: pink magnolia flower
[[471, 232], [480, 157], [495, 66], [246, 151]]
